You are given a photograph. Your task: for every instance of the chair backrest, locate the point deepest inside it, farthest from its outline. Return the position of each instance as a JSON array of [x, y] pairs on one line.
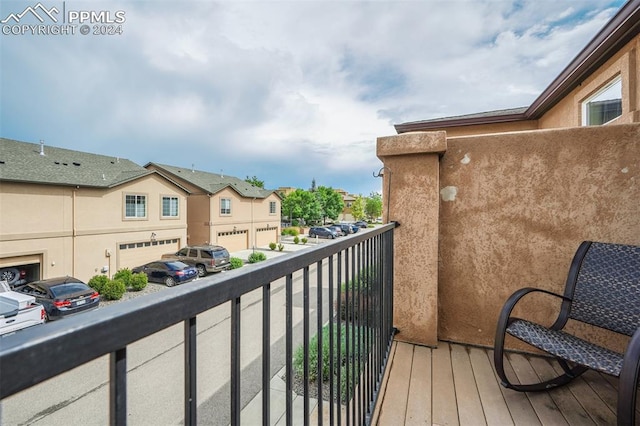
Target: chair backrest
[[607, 287]]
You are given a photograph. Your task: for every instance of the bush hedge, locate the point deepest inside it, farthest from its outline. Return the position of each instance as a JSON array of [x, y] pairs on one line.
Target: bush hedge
[[114, 289], [236, 262]]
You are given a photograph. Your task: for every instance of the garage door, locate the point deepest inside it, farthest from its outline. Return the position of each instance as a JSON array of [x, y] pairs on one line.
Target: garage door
[[234, 240], [131, 255], [19, 270], [265, 236]]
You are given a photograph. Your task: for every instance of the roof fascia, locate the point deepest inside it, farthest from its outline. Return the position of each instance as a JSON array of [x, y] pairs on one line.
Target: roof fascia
[[612, 37]]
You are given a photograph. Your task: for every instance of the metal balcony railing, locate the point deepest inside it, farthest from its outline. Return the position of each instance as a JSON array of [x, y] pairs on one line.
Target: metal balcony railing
[[348, 330]]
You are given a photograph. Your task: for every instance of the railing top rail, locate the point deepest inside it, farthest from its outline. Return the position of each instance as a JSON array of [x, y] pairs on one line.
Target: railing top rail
[[39, 353]]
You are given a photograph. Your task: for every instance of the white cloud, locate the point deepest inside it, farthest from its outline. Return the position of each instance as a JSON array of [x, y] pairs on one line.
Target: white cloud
[[287, 91]]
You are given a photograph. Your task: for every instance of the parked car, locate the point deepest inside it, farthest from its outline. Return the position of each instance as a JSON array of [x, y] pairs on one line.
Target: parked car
[[168, 272], [206, 258], [354, 228], [13, 276], [346, 228], [62, 296], [18, 311], [361, 224], [337, 229], [319, 231]]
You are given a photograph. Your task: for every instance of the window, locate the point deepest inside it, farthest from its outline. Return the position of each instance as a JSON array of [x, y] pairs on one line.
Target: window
[[604, 106], [225, 206], [135, 206], [272, 207], [169, 206]]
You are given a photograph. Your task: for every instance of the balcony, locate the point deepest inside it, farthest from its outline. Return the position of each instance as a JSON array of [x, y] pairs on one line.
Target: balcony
[[210, 352]]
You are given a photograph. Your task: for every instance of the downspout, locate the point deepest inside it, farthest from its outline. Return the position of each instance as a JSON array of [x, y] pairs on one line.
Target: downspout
[[73, 231]]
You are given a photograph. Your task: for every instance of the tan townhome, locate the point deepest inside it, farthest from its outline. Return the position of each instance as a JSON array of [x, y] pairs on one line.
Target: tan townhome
[[65, 212], [225, 210]]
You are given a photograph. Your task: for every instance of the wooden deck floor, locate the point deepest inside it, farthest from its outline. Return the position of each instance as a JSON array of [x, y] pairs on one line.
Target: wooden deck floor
[[457, 385]]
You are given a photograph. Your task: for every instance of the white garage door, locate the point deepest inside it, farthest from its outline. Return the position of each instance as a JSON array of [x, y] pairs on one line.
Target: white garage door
[[265, 236], [131, 255], [234, 240]]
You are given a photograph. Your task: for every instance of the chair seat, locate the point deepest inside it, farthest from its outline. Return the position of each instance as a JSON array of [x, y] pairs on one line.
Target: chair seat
[[568, 347]]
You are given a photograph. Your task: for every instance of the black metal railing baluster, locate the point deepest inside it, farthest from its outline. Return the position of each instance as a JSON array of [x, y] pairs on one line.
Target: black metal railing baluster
[[339, 309], [289, 350], [190, 373], [266, 354], [235, 361], [118, 387], [305, 341], [319, 363], [332, 323]]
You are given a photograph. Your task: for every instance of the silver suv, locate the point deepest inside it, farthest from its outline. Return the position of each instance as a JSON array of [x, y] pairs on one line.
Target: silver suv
[[206, 258]]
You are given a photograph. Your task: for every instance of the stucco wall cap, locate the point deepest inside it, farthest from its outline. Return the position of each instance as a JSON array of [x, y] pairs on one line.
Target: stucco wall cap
[[412, 143]]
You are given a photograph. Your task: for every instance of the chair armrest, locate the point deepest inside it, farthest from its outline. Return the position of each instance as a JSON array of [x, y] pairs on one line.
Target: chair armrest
[[513, 300]]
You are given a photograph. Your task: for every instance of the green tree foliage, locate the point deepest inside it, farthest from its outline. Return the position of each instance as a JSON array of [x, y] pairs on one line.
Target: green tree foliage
[[331, 203], [373, 206], [358, 208], [301, 204], [255, 181]]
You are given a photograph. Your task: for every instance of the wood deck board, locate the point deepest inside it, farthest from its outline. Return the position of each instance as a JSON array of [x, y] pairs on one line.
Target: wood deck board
[[457, 385]]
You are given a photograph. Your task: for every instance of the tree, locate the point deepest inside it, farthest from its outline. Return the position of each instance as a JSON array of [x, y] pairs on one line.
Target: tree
[[331, 203], [255, 181], [357, 208], [301, 204], [373, 206]]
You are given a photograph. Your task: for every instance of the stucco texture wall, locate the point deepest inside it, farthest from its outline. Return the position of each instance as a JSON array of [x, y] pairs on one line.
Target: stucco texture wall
[[514, 208]]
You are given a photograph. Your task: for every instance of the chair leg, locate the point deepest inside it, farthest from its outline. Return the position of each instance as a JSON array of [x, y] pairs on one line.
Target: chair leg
[[570, 374]]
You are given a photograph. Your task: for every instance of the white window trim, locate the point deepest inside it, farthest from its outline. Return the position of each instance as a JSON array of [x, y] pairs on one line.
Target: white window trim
[[146, 207], [170, 216], [225, 213]]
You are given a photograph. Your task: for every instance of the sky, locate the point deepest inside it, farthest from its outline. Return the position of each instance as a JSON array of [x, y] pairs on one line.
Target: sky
[[286, 91]]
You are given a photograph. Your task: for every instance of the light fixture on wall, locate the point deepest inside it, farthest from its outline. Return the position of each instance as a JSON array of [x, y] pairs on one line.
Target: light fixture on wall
[[153, 237]]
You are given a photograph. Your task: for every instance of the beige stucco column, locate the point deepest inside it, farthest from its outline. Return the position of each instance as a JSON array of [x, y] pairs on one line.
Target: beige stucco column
[[411, 195]]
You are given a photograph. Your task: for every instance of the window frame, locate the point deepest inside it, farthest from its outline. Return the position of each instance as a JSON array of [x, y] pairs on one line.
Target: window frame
[[136, 204], [592, 99], [273, 207], [177, 207], [225, 211]]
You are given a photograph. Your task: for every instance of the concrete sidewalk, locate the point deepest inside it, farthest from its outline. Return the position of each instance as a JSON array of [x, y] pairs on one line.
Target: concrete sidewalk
[[289, 247]]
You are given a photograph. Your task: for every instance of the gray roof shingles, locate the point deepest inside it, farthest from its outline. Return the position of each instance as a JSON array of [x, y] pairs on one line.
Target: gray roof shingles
[[22, 162], [212, 182]]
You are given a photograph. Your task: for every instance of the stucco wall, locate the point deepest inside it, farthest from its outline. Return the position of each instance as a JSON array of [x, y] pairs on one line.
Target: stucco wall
[[514, 208], [482, 216]]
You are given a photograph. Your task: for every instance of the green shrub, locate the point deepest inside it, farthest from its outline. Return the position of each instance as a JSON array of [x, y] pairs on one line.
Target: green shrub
[[257, 256], [350, 363], [97, 282], [272, 246], [292, 230], [296, 240], [236, 262], [280, 247], [113, 289], [304, 240], [138, 281], [125, 275]]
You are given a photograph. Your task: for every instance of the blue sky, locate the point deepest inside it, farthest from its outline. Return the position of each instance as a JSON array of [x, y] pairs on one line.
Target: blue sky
[[288, 91]]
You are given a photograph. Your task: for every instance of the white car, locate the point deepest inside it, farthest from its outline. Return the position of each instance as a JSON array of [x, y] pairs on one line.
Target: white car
[[18, 311]]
